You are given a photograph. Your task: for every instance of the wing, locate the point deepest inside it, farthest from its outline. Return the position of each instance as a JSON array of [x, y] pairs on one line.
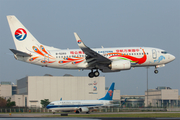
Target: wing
[[93, 59]]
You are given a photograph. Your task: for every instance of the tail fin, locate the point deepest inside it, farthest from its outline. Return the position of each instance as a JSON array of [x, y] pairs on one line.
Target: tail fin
[[124, 101], [109, 94], [23, 39]]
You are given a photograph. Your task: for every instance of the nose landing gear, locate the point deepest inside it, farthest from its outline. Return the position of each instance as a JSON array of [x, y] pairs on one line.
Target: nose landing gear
[[93, 74], [156, 71]]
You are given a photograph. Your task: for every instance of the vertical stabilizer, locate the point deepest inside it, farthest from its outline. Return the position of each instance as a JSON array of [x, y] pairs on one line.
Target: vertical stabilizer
[[109, 94], [23, 39]]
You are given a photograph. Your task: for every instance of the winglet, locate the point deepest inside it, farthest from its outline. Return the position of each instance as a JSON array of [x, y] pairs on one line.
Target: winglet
[[79, 41], [109, 94]]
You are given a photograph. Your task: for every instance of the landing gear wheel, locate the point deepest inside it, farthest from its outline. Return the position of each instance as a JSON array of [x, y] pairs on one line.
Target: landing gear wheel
[[96, 74], [77, 111], [91, 74], [156, 71]]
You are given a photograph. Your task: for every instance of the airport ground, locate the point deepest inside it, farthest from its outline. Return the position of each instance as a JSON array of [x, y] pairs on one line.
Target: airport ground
[[103, 116]]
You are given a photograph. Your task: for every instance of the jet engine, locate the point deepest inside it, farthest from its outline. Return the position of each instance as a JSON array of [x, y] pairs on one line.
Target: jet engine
[[120, 65], [84, 109]]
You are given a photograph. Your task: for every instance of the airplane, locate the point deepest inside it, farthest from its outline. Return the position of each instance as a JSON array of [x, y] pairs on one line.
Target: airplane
[[29, 50], [83, 105], [123, 102]]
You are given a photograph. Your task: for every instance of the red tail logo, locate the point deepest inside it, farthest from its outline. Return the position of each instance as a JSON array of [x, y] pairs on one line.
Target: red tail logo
[[110, 92]]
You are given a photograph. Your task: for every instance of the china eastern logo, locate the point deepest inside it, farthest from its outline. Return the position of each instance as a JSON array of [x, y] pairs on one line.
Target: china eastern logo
[[20, 34], [110, 92], [79, 41]]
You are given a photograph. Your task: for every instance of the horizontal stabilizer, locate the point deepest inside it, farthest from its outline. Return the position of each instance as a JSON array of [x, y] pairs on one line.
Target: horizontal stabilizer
[[111, 105], [19, 53]]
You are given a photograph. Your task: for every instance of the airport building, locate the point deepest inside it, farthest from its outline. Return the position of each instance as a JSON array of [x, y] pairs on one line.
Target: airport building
[[7, 89], [161, 97], [132, 101], [32, 89]]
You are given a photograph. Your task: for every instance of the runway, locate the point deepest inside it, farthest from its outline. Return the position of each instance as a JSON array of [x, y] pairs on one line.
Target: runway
[[39, 116]]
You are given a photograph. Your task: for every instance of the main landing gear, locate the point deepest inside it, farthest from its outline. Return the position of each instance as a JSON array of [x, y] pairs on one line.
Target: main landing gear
[[93, 74], [77, 111]]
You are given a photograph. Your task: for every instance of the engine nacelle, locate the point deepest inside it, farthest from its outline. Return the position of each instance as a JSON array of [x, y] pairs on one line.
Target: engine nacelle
[[120, 65], [84, 109]]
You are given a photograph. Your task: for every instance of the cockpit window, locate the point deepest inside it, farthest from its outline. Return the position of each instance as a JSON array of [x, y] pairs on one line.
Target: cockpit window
[[51, 104], [163, 52]]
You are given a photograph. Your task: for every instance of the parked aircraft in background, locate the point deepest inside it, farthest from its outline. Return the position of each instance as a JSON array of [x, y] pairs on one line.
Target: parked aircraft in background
[[82, 105], [123, 102], [28, 49]]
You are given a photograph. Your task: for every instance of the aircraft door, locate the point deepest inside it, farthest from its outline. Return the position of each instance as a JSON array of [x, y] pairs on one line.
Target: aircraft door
[[154, 54], [46, 58]]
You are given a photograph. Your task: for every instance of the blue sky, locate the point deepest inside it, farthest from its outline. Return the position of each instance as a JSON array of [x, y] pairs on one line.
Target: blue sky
[[108, 23]]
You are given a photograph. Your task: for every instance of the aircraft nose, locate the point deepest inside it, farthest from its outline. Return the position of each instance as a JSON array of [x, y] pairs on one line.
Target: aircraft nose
[[172, 57], [47, 106]]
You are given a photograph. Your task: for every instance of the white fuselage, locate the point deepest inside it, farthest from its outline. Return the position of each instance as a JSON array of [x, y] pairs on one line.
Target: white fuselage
[[75, 58], [72, 105]]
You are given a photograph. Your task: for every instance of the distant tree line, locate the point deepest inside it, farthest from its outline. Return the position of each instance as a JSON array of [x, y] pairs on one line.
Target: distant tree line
[[6, 103], [45, 102]]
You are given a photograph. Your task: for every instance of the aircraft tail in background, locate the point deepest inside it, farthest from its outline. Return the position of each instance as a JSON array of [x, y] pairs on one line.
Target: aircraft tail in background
[[109, 94]]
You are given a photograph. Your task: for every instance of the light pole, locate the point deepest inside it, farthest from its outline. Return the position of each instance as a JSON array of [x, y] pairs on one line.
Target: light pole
[[136, 90], [147, 86]]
